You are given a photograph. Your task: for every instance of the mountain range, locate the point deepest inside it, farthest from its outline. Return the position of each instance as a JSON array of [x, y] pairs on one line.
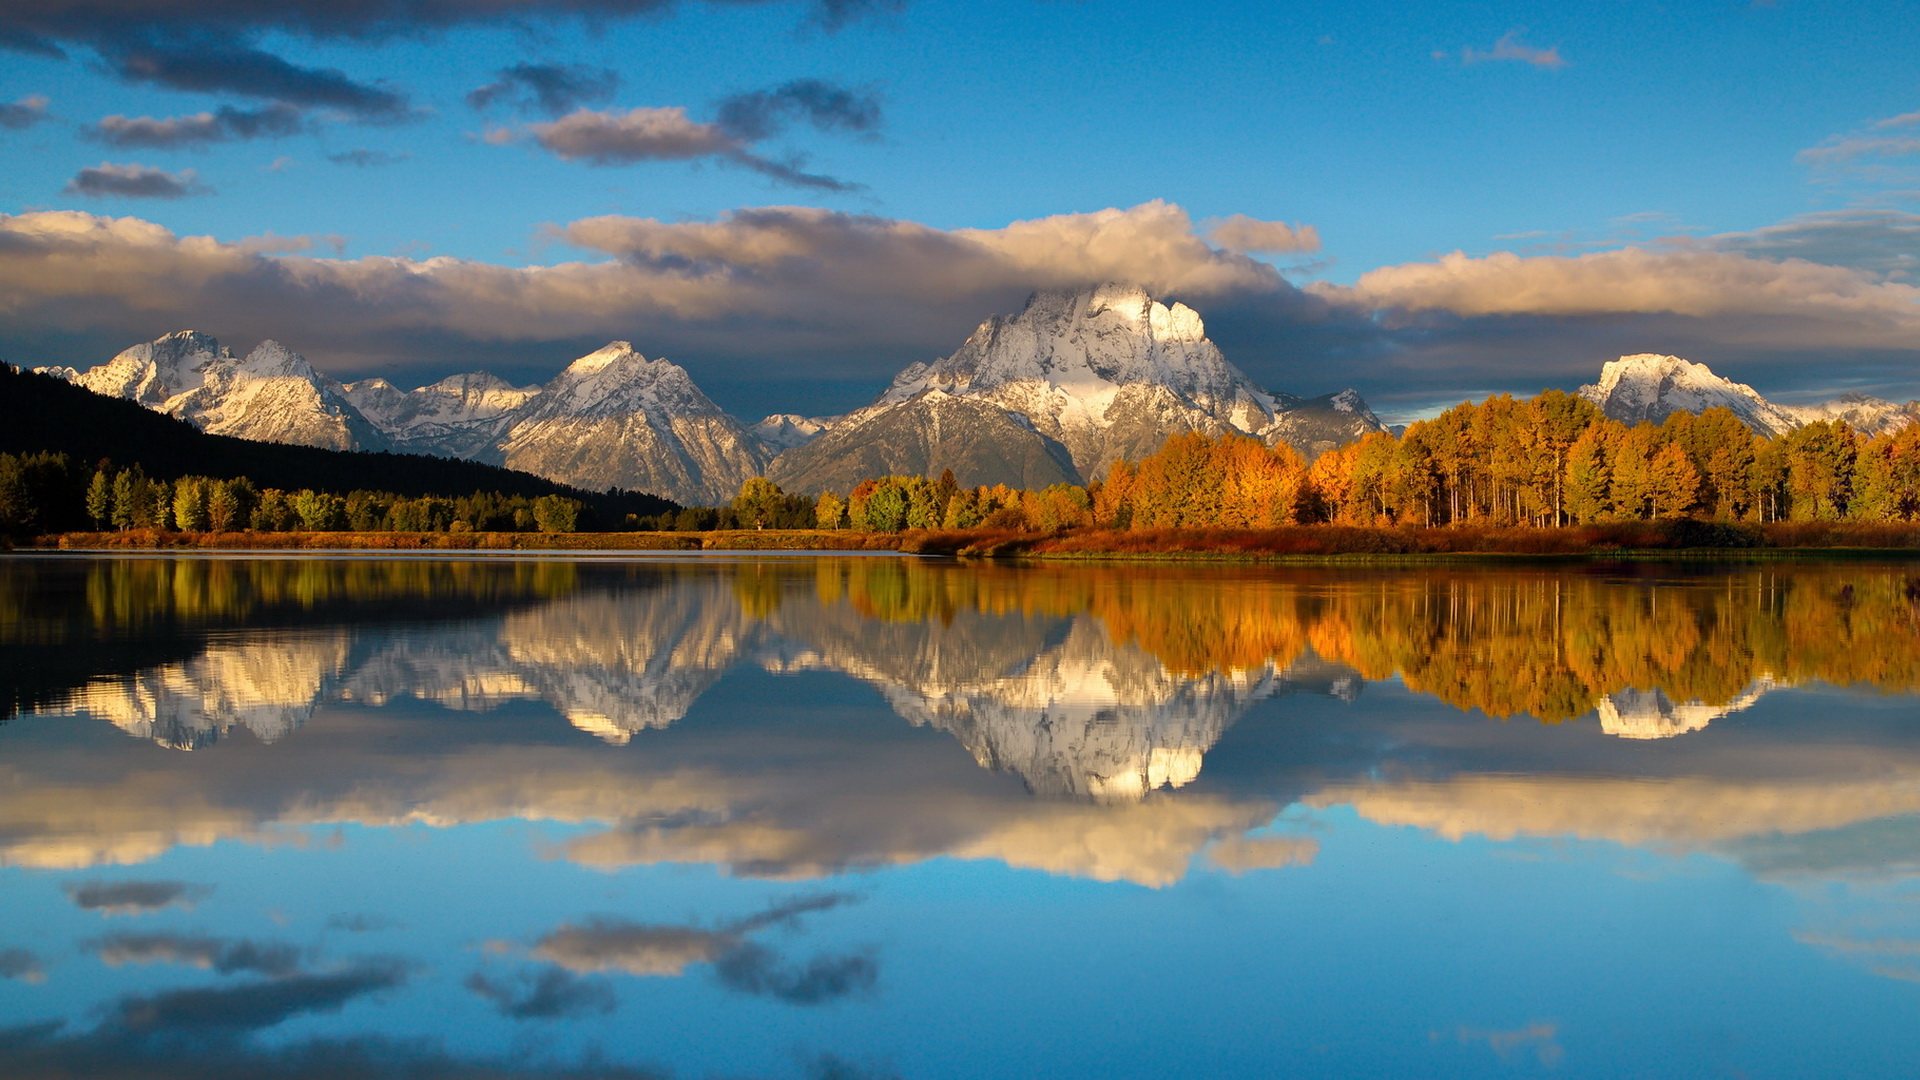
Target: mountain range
[[1055, 393], [1651, 387]]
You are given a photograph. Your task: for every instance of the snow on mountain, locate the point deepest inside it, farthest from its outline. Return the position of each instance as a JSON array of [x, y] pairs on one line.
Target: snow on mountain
[[784, 431], [614, 418], [1649, 386], [1867, 415], [272, 394], [1105, 372], [461, 416]]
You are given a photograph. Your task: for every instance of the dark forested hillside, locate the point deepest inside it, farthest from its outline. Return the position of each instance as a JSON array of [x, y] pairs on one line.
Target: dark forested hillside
[[40, 413]]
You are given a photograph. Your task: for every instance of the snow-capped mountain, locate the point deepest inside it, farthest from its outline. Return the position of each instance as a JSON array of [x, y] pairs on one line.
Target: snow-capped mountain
[[1101, 373], [1056, 393], [1864, 414], [461, 416], [272, 395], [614, 418], [784, 431], [1649, 386]]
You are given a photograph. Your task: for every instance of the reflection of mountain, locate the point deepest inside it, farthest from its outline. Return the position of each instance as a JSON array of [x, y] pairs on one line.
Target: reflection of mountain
[[269, 687], [1053, 699], [1651, 714], [1077, 681]]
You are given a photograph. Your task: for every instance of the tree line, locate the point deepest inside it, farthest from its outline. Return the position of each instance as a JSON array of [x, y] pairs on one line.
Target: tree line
[[1551, 460], [50, 492]]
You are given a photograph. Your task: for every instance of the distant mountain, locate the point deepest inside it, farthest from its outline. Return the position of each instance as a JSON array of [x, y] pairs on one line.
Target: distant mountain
[[272, 395], [784, 431], [459, 416], [614, 418], [1101, 374], [1056, 393], [1867, 415], [1651, 387], [38, 412]]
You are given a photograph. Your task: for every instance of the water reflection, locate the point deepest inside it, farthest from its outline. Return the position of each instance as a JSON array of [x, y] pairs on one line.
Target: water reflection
[[790, 721]]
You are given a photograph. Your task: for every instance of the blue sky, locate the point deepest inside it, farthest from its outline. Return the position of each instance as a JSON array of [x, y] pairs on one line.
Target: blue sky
[[1399, 133]]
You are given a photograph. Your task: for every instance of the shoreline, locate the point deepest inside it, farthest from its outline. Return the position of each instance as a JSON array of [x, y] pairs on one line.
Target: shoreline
[[1681, 540]]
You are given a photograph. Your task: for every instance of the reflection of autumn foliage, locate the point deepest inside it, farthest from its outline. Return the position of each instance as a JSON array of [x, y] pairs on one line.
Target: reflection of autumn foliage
[[126, 594], [1540, 643]]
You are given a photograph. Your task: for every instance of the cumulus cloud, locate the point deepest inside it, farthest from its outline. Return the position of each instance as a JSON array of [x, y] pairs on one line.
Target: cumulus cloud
[[28, 111], [225, 124], [134, 181], [133, 897], [1700, 284], [552, 89], [1883, 241], [1511, 48], [616, 137], [224, 65], [858, 296], [212, 45], [761, 114], [1242, 233]]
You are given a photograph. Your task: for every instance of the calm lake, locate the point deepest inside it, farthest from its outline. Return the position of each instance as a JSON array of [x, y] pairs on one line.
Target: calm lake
[[888, 817]]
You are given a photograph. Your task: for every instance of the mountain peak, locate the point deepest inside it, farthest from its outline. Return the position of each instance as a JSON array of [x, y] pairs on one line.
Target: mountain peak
[[1652, 386]]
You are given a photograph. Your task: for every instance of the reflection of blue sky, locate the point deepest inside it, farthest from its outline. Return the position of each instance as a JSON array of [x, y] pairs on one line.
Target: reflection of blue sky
[[1350, 885], [1347, 965]]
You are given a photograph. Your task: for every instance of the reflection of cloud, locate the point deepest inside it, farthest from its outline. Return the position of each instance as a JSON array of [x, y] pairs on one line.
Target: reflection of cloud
[[224, 956], [361, 924], [1686, 812], [253, 1006], [1239, 854], [133, 897], [1541, 1037], [40, 1052], [21, 964], [552, 993], [756, 969], [603, 944]]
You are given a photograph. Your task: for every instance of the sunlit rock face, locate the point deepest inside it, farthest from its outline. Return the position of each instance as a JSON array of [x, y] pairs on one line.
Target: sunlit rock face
[[1651, 714], [272, 394], [1091, 375], [1651, 387], [461, 416], [615, 418]]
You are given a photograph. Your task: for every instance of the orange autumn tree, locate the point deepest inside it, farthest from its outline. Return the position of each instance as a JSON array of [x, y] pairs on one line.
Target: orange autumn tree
[[1198, 480]]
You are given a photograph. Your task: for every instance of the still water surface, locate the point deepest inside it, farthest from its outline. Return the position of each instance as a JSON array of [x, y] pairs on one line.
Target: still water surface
[[883, 817]]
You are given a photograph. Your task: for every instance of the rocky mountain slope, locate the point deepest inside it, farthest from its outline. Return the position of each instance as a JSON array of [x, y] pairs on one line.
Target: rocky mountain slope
[[271, 395], [1651, 387], [1056, 393], [462, 416], [614, 418], [1101, 373]]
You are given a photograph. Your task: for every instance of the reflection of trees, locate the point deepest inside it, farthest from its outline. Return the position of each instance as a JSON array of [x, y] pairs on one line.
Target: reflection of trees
[[1546, 643]]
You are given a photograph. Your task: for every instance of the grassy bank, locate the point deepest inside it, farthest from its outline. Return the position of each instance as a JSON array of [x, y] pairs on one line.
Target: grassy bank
[[1677, 537]]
